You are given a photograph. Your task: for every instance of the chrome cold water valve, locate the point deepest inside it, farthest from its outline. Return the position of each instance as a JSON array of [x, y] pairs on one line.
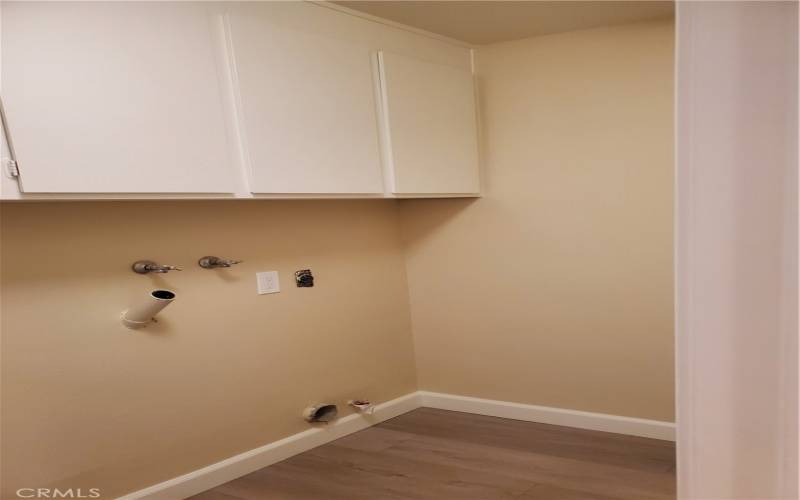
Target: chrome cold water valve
[[211, 262]]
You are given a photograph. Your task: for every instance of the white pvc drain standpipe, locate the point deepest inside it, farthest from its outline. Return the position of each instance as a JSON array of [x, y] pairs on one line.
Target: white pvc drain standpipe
[[141, 315]]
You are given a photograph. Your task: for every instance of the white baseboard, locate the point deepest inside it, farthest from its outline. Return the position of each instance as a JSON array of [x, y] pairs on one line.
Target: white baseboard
[[546, 415], [250, 461]]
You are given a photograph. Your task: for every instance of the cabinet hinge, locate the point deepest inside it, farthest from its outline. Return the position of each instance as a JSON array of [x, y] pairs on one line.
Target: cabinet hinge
[[12, 169]]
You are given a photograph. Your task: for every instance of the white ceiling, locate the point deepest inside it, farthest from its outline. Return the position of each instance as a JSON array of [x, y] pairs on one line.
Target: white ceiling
[[483, 22]]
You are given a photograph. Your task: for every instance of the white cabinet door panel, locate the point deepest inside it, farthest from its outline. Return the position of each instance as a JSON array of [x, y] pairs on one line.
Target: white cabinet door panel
[[430, 115], [308, 109], [114, 97]]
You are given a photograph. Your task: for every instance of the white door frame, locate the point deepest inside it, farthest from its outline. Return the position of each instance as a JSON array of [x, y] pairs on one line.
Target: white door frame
[[736, 250]]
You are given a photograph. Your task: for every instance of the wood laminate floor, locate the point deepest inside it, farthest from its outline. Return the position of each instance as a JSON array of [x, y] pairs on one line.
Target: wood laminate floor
[[442, 455]]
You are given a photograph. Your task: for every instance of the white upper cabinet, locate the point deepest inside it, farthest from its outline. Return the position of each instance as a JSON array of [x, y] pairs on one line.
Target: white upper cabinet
[[430, 116], [307, 109], [117, 97], [114, 100]]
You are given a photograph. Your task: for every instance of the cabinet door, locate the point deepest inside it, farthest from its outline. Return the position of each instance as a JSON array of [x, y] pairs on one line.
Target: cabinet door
[[116, 97], [430, 116], [307, 108]]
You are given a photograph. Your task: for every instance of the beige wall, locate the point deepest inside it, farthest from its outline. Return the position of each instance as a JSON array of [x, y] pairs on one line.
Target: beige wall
[[87, 403], [556, 288]]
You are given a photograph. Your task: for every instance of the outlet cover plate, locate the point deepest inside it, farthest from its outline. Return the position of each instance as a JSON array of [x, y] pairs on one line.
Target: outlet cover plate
[[268, 282]]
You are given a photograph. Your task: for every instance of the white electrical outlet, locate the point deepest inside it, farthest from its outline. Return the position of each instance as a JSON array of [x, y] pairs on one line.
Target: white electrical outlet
[[268, 282]]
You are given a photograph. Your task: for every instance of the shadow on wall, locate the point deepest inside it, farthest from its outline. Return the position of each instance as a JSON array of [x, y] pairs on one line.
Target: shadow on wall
[[103, 237], [422, 218]]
